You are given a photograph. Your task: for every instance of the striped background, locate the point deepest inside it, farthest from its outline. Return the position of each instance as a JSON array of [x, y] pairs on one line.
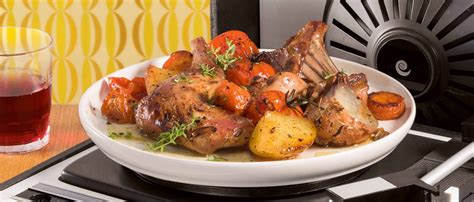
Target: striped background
[[96, 37]]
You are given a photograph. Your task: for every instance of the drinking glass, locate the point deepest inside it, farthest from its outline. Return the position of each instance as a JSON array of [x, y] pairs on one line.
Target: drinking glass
[[25, 89]]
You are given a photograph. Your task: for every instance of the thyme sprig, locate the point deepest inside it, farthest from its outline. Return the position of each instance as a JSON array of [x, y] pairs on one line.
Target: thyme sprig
[[226, 59], [169, 137], [206, 70], [327, 75], [115, 135], [293, 101]]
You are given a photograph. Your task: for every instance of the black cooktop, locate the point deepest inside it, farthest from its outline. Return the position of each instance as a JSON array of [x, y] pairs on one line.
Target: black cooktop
[[97, 172]]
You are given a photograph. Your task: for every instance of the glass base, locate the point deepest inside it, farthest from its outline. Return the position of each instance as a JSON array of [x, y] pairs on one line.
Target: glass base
[[32, 146]]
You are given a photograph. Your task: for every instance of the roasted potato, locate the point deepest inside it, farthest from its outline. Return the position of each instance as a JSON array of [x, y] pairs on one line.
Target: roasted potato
[[179, 61], [386, 105], [279, 136], [154, 76]]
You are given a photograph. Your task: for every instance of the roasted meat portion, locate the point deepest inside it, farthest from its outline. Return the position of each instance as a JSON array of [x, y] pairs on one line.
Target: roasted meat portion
[[186, 96], [338, 102], [341, 117], [358, 83], [305, 55]]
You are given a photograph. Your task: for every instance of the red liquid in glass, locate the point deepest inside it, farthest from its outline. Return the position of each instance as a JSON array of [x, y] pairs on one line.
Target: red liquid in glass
[[25, 103]]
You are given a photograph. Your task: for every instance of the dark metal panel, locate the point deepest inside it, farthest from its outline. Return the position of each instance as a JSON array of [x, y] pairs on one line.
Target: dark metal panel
[[240, 15]]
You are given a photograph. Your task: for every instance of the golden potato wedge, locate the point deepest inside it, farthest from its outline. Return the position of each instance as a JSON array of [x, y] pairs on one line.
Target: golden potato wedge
[[279, 136], [179, 61], [154, 76]]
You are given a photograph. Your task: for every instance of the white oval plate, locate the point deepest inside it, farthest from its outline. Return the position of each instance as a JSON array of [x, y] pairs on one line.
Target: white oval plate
[[198, 171]]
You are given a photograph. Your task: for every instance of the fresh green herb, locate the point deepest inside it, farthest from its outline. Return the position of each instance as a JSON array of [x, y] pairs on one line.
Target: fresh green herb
[[293, 101], [182, 79], [207, 71], [215, 158], [115, 135], [170, 136], [327, 75], [226, 59]]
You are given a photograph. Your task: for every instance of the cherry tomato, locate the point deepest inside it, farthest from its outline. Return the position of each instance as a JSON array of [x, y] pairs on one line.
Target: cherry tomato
[[271, 100], [244, 47], [179, 61], [122, 99], [262, 69], [232, 97]]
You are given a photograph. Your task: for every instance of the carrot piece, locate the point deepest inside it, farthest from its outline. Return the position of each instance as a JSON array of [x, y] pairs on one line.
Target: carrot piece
[[262, 69], [232, 97], [239, 73], [386, 105]]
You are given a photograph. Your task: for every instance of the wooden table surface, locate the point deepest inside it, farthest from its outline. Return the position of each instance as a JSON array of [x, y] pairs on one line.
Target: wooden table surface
[[66, 132]]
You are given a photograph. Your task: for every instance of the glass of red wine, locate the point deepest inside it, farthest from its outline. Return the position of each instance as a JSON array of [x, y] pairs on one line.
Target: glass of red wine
[[25, 89]]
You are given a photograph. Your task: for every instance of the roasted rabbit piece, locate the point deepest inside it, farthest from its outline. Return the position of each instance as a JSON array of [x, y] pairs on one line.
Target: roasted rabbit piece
[[305, 55], [338, 102], [341, 117], [186, 96]]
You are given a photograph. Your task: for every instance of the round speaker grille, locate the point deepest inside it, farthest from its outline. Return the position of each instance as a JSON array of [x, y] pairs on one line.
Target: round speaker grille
[[427, 45]]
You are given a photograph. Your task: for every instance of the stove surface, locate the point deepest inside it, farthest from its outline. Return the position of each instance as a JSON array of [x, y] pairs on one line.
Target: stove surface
[[97, 172], [91, 175]]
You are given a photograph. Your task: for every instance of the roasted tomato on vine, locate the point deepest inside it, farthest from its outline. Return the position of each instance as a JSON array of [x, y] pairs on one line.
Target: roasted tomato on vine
[[232, 97], [244, 47], [123, 96]]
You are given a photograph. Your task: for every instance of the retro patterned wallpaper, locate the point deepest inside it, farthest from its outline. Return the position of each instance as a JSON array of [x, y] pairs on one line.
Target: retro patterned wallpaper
[[96, 37]]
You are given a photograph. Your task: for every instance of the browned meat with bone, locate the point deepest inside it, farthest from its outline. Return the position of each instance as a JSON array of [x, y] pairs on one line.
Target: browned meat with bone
[[304, 54], [341, 117], [187, 95], [358, 83], [338, 101]]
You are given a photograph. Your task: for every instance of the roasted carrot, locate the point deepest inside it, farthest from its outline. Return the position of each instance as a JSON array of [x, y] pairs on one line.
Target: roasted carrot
[[262, 69], [232, 97], [239, 73], [386, 105]]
